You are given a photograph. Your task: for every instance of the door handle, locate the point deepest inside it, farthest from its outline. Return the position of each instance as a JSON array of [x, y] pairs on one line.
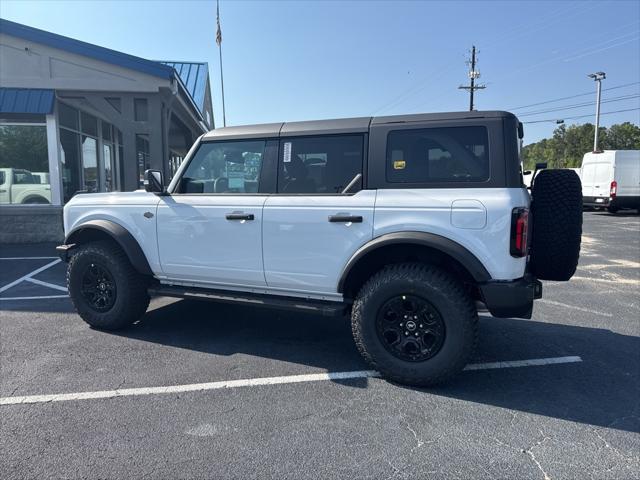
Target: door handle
[[345, 218], [239, 216]]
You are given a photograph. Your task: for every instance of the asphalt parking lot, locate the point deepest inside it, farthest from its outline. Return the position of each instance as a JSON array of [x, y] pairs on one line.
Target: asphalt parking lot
[[573, 413]]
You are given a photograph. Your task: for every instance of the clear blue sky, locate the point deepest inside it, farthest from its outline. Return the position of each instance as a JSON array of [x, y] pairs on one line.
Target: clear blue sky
[[303, 60]]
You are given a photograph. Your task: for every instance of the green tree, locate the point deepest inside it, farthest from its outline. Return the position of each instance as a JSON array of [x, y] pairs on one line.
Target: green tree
[[23, 147], [623, 136], [568, 145]]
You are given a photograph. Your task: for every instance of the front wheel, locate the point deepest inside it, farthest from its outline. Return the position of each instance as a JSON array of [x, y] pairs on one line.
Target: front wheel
[[415, 324], [106, 290]]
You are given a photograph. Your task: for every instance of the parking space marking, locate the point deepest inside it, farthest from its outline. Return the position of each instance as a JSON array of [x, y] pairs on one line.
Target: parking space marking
[[33, 298], [566, 305], [45, 284], [29, 275], [27, 258], [255, 382]]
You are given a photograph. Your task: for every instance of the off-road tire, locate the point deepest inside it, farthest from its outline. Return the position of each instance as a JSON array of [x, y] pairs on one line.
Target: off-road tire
[[556, 230], [445, 293], [131, 299]]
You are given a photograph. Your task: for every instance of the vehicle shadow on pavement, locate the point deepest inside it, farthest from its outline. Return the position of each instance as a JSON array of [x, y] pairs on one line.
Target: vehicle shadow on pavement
[[602, 390]]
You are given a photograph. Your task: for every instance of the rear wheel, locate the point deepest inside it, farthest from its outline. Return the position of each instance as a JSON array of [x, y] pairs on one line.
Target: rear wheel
[[106, 290], [415, 324], [613, 209]]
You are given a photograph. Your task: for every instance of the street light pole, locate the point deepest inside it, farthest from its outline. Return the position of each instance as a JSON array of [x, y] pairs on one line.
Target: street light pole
[[598, 77]]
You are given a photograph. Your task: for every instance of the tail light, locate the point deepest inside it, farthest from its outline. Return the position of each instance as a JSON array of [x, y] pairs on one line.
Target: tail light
[[519, 232], [614, 189]]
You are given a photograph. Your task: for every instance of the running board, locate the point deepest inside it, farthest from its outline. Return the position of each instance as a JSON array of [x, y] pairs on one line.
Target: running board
[[325, 308]]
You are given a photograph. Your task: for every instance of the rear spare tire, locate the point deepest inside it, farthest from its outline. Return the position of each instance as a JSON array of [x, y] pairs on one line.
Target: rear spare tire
[[556, 211]]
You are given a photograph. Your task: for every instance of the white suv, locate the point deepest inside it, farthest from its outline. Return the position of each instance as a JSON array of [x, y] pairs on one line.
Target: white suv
[[408, 223]]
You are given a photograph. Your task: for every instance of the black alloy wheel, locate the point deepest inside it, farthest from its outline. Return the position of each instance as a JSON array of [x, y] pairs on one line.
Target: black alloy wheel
[[410, 328], [98, 287]]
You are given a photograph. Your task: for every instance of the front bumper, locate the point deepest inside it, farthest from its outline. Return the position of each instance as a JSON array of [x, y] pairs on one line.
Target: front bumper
[[511, 299]]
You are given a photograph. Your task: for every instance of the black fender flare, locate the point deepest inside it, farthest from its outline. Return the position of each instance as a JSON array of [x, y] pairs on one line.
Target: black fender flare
[[456, 251], [117, 232]]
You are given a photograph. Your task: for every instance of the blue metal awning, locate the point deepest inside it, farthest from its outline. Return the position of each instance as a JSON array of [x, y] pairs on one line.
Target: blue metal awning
[[26, 100]]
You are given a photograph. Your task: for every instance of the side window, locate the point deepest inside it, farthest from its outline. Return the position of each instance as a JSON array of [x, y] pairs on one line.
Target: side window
[[437, 155], [322, 164], [224, 167], [2, 178]]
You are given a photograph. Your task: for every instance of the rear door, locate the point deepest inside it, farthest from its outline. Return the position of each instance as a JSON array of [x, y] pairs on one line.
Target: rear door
[[210, 230], [603, 177], [310, 228], [588, 178]]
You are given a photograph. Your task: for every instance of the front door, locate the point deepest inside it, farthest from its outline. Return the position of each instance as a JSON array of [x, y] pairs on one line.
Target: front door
[[310, 228], [210, 230]]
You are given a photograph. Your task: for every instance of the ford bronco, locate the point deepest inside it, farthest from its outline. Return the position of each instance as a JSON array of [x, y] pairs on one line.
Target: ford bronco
[[409, 224]]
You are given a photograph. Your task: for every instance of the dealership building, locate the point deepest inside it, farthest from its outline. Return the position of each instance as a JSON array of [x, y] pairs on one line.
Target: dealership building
[[77, 117]]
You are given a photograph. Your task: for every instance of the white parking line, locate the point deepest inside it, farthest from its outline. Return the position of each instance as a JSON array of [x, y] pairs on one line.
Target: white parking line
[[46, 284], [27, 258], [255, 382], [29, 275], [587, 310]]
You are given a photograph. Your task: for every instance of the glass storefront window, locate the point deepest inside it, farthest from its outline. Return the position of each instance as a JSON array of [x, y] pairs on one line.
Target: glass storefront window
[[87, 163], [89, 124], [90, 164], [68, 117], [107, 155], [142, 154], [24, 164], [70, 162]]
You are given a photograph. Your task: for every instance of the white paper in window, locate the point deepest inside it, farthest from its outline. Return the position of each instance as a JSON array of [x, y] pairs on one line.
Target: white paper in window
[[287, 152]]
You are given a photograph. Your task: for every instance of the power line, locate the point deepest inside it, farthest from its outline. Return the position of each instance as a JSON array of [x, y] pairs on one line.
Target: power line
[[554, 120], [571, 96], [579, 105]]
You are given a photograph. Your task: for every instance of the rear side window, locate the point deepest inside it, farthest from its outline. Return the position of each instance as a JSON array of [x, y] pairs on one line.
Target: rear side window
[[438, 155], [322, 164]]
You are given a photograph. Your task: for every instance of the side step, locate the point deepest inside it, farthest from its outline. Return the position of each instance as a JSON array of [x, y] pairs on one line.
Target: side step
[[325, 308]]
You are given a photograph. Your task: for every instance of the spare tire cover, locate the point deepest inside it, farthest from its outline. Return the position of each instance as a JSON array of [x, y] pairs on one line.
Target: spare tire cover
[[556, 212]]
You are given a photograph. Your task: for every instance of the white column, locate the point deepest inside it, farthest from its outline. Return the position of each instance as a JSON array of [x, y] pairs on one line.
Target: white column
[[53, 147]]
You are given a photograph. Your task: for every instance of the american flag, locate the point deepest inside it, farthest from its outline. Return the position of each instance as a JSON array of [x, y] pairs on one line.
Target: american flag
[[218, 31]]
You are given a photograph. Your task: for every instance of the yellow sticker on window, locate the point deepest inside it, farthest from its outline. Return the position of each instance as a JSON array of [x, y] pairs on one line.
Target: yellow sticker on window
[[399, 164]]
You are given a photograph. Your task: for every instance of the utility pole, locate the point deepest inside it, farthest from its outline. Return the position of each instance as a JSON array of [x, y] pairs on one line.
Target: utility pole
[[598, 77], [219, 43], [473, 75]]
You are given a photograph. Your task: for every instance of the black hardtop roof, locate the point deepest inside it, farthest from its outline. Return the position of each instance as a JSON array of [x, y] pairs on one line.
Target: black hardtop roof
[[340, 125]]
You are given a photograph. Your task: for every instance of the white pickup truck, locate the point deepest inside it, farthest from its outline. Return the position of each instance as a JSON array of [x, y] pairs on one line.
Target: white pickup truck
[[408, 224], [24, 187]]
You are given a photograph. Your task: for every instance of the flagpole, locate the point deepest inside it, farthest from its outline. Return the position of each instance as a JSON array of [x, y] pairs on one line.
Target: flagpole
[[219, 42], [224, 116]]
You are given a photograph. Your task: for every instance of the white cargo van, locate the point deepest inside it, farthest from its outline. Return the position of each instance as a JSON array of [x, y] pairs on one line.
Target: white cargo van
[[611, 179]]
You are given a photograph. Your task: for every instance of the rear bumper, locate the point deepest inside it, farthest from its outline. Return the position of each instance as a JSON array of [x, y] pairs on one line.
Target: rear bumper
[[595, 201], [511, 299]]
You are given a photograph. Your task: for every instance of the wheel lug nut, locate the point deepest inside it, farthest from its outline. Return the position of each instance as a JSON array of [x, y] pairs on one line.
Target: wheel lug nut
[[416, 334], [402, 324], [420, 325], [406, 333]]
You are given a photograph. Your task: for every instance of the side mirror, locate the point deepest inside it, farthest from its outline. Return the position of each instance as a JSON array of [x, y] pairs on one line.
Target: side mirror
[[153, 182], [541, 165]]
